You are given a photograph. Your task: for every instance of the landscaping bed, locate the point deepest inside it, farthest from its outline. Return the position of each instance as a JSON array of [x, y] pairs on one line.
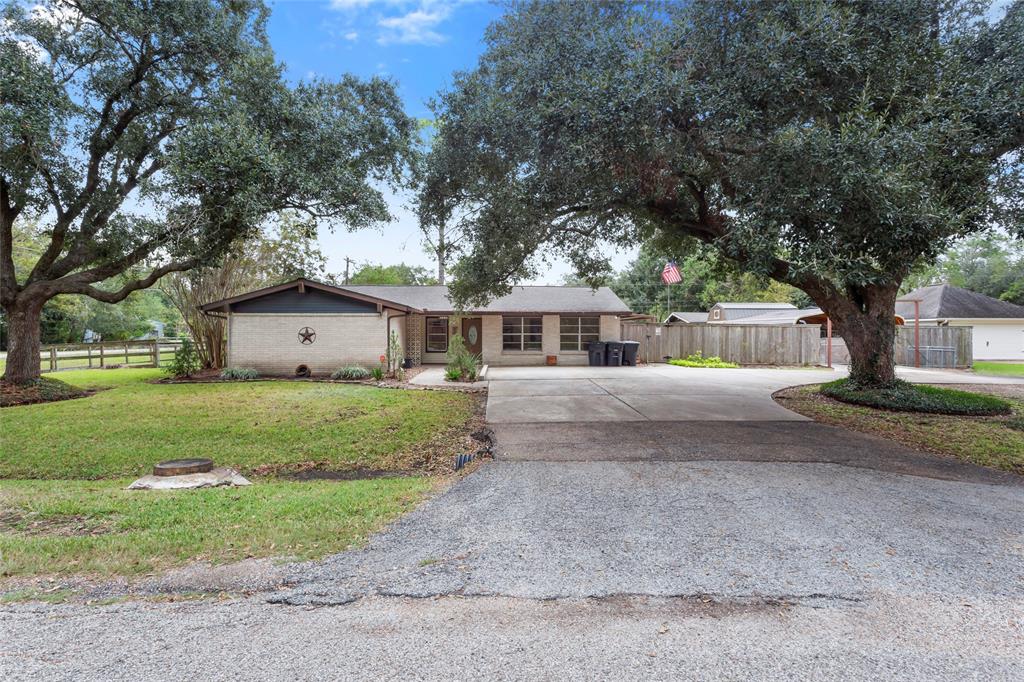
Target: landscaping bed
[[64, 508], [45, 390], [995, 441], [904, 396]]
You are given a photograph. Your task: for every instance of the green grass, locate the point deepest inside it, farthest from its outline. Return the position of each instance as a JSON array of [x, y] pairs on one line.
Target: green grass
[[1006, 369], [64, 509], [906, 397], [97, 527], [125, 430], [989, 441]]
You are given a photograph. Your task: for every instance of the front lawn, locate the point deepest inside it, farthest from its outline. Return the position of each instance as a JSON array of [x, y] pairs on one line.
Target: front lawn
[[284, 424], [64, 509], [1005, 369], [98, 527], [995, 441]]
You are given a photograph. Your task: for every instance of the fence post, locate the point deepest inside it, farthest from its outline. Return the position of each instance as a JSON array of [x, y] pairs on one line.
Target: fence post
[[102, 364], [89, 349], [53, 359], [156, 353], [126, 360]]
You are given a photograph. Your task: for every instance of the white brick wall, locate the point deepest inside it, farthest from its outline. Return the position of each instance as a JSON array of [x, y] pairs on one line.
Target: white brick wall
[[269, 343]]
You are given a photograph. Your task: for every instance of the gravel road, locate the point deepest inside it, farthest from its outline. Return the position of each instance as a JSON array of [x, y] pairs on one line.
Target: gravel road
[[550, 570]]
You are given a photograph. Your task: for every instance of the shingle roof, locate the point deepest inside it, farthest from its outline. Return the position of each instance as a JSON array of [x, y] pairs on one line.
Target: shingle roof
[[540, 299], [692, 317], [786, 316], [944, 301], [526, 299]]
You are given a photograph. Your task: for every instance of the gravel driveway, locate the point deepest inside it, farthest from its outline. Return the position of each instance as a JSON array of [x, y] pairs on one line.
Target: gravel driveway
[[769, 550]]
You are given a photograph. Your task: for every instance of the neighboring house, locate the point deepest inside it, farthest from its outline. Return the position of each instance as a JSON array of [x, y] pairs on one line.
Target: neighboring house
[[156, 330], [686, 317], [276, 329], [997, 326], [723, 312]]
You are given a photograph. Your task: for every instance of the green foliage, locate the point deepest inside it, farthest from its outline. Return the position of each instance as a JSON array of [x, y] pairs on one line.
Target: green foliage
[[829, 146], [181, 110], [698, 360], [371, 273], [903, 396], [461, 364], [1006, 369], [377, 373], [186, 360], [239, 373], [990, 263], [351, 373]]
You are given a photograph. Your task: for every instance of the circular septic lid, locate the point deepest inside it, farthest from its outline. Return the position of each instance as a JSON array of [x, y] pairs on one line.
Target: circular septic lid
[[177, 467]]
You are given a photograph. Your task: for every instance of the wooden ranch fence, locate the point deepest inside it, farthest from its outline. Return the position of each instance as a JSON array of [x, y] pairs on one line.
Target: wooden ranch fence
[[751, 344], [141, 353]]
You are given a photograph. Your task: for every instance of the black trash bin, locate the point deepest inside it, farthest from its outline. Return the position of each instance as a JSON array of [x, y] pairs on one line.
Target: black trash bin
[[596, 350], [629, 352], [613, 356]]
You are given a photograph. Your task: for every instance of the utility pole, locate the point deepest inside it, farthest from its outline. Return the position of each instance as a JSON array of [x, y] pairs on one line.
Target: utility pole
[[348, 261]]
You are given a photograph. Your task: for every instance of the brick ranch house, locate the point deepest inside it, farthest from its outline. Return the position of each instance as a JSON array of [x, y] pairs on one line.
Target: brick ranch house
[[322, 326]]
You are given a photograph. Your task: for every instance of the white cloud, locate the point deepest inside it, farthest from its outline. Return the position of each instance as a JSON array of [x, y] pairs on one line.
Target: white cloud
[[351, 36], [417, 27], [402, 22]]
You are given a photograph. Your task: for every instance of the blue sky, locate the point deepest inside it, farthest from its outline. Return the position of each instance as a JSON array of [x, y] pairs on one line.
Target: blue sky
[[416, 43]]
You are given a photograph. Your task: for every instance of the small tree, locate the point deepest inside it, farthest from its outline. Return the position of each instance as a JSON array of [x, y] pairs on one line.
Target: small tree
[[186, 360], [394, 352], [830, 146]]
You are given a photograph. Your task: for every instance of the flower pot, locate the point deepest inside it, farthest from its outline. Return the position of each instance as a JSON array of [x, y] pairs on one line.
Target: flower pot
[[552, 360]]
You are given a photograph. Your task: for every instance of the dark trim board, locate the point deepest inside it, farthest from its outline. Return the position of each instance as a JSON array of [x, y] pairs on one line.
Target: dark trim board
[[303, 287]]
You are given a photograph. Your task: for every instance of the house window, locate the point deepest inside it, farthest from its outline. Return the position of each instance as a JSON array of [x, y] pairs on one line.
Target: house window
[[576, 332], [437, 334], [521, 333]]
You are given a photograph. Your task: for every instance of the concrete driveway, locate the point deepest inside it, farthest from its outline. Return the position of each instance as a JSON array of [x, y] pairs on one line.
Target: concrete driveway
[[661, 392]]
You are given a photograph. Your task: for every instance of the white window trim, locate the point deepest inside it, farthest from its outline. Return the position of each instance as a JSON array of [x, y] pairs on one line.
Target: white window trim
[[522, 334], [578, 334]]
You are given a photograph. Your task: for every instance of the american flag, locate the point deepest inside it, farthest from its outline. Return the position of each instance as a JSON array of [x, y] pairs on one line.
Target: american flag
[[670, 273]]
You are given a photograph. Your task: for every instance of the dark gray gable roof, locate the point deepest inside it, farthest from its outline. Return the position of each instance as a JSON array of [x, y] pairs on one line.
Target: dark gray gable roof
[[540, 299], [524, 299], [944, 301]]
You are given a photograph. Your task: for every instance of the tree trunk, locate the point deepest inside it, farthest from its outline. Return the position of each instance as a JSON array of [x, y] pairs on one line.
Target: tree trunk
[[868, 327], [23, 316]]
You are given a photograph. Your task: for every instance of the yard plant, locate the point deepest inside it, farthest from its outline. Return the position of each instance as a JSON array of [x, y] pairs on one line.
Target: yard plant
[[698, 360], [239, 373], [351, 373], [461, 364]]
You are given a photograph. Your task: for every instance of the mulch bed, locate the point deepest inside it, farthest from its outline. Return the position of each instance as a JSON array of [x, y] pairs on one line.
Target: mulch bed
[[45, 390]]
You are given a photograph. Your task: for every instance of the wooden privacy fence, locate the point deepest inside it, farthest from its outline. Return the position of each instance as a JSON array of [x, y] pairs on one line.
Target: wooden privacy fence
[[950, 347], [141, 353], [746, 344]]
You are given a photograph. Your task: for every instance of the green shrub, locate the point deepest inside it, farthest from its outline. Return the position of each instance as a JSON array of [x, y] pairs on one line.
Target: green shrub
[[239, 373], [352, 372], [186, 360], [377, 373], [698, 360], [462, 365], [903, 396]]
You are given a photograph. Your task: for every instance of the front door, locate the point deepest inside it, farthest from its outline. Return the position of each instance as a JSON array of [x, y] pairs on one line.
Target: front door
[[472, 334]]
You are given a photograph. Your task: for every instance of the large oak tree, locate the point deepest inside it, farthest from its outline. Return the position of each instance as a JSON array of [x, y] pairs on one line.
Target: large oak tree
[[152, 135], [831, 146]]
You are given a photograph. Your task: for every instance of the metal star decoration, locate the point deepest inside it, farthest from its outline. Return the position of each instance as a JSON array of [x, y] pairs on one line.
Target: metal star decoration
[[306, 336]]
